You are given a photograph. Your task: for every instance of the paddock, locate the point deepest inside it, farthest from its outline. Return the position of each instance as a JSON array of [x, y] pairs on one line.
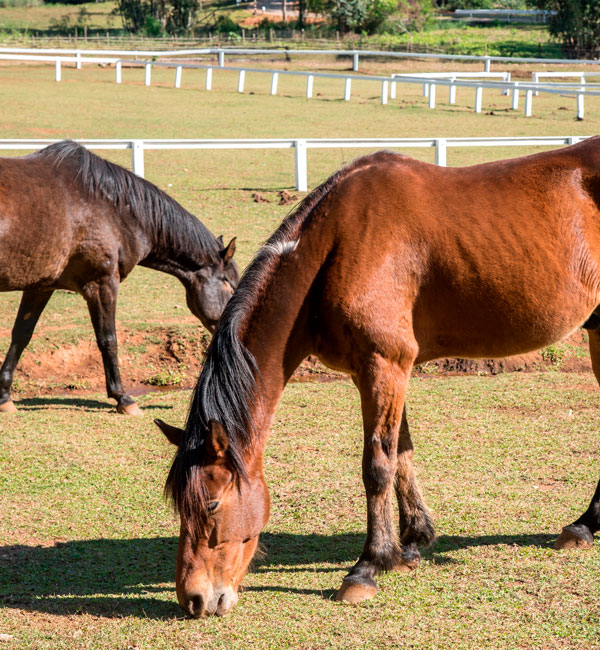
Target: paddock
[[87, 543]]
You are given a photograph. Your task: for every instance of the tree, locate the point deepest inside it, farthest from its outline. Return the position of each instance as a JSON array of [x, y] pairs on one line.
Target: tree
[[577, 24], [156, 16]]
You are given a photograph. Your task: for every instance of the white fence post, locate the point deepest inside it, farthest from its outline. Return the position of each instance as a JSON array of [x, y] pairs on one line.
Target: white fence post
[[580, 106], [241, 80], [355, 61], [425, 90], [452, 91], [506, 78], [347, 89], [208, 84], [57, 72], [309, 86], [148, 67], [384, 92], [580, 99], [274, 80], [78, 60], [137, 157], [535, 79], [301, 165], [118, 72], [487, 64], [528, 102], [440, 152], [478, 99], [432, 96], [515, 96], [178, 70], [392, 90], [221, 58]]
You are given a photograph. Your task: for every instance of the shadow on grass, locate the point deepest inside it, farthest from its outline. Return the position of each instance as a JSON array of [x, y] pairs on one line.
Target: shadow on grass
[[82, 403], [134, 577]]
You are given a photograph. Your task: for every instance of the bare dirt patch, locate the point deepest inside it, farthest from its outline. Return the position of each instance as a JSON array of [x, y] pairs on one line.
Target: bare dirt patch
[[172, 358]]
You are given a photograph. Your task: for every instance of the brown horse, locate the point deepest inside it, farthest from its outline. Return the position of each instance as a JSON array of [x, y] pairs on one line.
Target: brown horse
[[389, 263], [71, 220]]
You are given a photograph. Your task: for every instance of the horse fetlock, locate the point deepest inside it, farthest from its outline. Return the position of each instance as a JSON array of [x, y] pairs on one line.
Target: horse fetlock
[[410, 558], [574, 536]]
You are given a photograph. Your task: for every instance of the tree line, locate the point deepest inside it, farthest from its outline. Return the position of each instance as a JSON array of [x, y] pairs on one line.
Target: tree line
[[574, 23]]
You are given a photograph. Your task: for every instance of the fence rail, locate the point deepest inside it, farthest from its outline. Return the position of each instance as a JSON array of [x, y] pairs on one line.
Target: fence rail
[[300, 146], [355, 54]]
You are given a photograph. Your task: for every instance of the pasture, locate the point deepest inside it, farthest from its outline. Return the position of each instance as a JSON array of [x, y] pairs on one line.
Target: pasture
[[87, 544]]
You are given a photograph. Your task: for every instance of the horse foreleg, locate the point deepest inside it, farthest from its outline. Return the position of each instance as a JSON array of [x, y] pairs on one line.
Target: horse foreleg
[[382, 385], [416, 526], [101, 298], [580, 534], [30, 309]]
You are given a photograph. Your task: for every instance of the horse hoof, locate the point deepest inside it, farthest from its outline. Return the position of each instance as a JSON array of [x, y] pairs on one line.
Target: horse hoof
[[352, 592], [8, 407], [129, 409], [406, 566], [574, 537]]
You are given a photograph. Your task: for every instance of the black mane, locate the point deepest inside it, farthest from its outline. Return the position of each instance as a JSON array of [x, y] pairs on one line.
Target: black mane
[[230, 384], [174, 232]]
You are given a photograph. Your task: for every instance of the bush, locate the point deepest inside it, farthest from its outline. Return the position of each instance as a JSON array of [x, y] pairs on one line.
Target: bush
[[576, 24]]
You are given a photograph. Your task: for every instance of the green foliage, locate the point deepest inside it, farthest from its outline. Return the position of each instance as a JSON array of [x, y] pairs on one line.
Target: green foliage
[[415, 14], [155, 16], [225, 25], [152, 26], [20, 3], [576, 24]]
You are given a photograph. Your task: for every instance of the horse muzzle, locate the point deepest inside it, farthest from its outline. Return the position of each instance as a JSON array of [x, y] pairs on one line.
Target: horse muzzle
[[209, 602]]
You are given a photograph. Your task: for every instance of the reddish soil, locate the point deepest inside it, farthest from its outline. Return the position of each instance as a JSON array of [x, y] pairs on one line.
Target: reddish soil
[[168, 358]]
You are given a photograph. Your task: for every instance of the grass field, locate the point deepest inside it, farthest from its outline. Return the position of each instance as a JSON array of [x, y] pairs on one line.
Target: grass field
[[87, 545]]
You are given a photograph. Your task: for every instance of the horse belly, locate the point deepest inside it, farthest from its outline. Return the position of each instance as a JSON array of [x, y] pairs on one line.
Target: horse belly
[[482, 330]]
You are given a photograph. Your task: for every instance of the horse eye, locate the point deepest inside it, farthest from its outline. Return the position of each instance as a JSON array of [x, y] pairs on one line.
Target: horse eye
[[212, 506]]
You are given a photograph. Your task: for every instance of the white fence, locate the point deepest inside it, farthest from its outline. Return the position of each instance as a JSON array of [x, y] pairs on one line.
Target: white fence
[[388, 84], [300, 146], [220, 53]]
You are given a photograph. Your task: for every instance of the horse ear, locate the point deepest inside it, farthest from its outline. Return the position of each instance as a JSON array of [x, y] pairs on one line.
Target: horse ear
[[174, 434], [227, 253], [217, 441], [220, 240]]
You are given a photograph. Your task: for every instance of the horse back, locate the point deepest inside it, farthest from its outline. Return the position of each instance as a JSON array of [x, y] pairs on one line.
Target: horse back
[[488, 260]]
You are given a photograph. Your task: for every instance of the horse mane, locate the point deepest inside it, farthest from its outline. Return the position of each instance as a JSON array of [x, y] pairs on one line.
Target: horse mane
[[175, 232], [230, 385]]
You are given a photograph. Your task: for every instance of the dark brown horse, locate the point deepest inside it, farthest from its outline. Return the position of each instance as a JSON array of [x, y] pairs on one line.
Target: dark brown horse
[[389, 263], [71, 220]]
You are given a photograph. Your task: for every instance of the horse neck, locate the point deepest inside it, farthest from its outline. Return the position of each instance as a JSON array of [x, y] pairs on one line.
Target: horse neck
[[279, 330], [180, 246]]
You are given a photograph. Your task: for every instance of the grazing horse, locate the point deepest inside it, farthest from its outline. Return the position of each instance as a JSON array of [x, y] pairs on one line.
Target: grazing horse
[[71, 220], [389, 263]]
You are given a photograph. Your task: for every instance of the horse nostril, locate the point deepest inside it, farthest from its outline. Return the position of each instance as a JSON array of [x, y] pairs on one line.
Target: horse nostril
[[196, 607]]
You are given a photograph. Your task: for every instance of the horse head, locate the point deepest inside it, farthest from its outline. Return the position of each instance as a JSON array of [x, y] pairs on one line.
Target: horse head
[[209, 288], [222, 515]]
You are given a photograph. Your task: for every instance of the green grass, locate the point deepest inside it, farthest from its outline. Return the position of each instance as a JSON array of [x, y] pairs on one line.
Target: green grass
[[88, 544], [218, 186]]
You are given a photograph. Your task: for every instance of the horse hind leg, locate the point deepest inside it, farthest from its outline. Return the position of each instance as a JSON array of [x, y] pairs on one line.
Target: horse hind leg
[[580, 534], [382, 384], [101, 298], [30, 309], [416, 526]]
